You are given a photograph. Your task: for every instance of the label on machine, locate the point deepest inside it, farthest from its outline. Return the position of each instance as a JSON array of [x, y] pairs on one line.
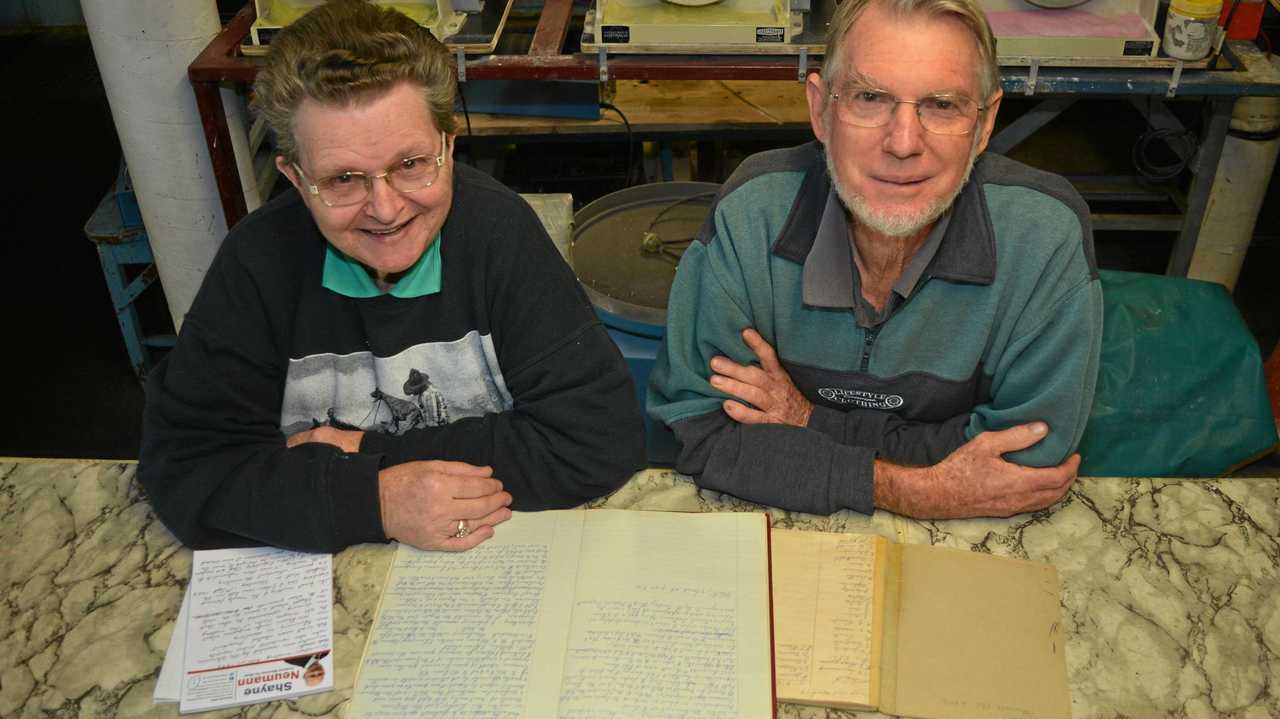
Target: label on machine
[[1140, 48], [769, 34], [615, 33]]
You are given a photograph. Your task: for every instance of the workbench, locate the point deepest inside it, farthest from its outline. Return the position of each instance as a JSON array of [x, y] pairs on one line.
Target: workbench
[[1241, 71], [1168, 589]]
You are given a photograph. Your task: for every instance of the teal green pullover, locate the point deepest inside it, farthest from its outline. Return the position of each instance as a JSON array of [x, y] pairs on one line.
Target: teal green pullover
[[1002, 327]]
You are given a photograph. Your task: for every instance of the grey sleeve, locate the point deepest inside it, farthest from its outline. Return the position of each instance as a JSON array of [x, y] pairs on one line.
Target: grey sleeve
[[790, 468], [897, 440]]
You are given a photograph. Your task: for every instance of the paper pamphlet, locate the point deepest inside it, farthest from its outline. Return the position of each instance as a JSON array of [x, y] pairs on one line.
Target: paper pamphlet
[[256, 625], [916, 630], [169, 684], [575, 613]]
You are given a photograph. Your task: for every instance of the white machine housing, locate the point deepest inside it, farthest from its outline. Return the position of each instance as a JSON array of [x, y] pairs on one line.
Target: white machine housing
[[444, 18], [727, 26]]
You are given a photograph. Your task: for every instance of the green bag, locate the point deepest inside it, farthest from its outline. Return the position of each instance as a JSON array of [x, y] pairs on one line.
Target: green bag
[[1181, 391]]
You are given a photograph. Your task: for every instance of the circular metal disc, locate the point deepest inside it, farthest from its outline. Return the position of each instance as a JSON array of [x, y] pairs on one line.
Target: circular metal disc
[[1057, 4], [624, 274]]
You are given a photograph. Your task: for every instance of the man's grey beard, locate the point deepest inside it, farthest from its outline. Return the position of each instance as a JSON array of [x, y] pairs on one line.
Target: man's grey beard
[[890, 223]]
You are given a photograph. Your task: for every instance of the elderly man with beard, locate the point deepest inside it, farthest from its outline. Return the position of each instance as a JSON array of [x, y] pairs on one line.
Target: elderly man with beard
[[888, 318]]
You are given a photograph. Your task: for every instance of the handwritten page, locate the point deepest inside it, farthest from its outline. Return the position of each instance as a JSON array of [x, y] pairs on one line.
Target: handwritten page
[[670, 618], [825, 618], [260, 627], [577, 614], [476, 633]]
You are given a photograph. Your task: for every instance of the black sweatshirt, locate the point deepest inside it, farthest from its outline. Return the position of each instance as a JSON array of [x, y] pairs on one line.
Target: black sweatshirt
[[505, 366]]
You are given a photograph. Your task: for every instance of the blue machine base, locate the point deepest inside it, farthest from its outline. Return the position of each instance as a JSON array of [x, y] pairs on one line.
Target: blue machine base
[[639, 344]]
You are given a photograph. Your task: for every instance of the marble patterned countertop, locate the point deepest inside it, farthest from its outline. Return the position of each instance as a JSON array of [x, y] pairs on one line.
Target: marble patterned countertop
[[1171, 590]]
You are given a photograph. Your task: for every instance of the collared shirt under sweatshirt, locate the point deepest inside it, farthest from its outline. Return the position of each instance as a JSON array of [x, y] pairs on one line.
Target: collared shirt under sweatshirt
[[1002, 326], [499, 361]]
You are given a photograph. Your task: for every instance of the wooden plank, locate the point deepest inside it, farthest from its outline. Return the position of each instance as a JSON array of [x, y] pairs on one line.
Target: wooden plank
[[672, 106]]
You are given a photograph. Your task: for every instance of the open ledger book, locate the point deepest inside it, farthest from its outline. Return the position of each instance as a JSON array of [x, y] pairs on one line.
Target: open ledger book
[[920, 631], [578, 614]]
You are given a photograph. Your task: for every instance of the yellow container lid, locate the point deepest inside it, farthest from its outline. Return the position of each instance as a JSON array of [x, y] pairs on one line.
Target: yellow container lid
[[1198, 9]]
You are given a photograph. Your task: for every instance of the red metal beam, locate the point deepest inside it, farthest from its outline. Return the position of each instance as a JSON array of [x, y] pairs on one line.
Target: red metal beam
[[217, 137], [553, 27], [221, 61]]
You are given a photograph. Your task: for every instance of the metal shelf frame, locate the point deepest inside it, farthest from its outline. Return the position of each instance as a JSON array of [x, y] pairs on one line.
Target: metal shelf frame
[[1241, 71]]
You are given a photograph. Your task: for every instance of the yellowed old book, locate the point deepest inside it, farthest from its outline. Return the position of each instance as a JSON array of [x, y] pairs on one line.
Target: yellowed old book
[[578, 614], [914, 630]]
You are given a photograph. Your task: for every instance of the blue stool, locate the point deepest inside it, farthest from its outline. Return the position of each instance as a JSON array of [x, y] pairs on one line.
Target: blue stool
[[115, 228]]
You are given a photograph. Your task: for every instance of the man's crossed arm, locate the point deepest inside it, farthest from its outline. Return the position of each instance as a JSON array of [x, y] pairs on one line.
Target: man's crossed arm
[[975, 480]]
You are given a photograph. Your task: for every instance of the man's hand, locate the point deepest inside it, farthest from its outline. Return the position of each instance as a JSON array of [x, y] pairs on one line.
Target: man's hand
[[768, 387], [975, 481], [344, 439], [422, 503]]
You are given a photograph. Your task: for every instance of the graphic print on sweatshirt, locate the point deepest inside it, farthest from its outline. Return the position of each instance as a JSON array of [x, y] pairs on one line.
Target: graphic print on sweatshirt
[[426, 385]]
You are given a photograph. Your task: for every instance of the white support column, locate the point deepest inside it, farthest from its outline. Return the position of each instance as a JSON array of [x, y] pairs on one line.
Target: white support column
[[143, 48], [1238, 191]]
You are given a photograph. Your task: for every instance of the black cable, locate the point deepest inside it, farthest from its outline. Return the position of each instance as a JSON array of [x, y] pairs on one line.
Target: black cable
[[463, 97], [630, 172], [677, 203], [1157, 171]]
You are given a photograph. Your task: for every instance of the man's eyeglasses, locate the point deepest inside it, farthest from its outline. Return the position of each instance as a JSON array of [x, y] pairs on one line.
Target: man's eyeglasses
[[939, 114], [350, 188]]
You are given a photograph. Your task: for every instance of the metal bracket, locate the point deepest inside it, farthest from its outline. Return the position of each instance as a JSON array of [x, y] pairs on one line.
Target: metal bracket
[[1031, 78], [602, 55], [1174, 79], [803, 71], [462, 65]]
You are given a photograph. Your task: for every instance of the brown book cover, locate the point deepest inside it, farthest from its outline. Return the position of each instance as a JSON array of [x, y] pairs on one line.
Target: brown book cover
[[930, 632]]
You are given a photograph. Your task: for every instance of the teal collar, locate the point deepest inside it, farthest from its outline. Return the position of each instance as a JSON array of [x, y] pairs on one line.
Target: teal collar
[[348, 277]]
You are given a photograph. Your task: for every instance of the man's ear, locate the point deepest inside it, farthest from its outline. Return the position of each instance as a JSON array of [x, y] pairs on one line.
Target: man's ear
[[989, 121], [286, 168], [815, 91]]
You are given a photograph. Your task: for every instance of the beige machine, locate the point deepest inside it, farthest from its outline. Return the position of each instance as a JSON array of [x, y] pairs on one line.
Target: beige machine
[[1062, 32], [1074, 32], [446, 19], [785, 27]]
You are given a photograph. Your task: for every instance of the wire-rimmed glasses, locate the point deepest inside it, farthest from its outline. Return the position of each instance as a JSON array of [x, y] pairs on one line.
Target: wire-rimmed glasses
[[350, 188], [944, 114]]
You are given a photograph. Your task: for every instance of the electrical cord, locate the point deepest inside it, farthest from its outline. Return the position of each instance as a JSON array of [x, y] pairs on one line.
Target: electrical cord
[[463, 97], [671, 250], [1158, 171], [677, 203], [630, 172]]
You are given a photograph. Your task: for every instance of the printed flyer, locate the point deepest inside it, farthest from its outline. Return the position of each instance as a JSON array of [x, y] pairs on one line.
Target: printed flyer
[[259, 628]]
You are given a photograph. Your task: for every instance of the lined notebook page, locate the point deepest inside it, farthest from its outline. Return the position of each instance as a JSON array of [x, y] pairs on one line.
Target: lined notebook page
[[825, 623], [578, 614], [670, 618], [479, 633]]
